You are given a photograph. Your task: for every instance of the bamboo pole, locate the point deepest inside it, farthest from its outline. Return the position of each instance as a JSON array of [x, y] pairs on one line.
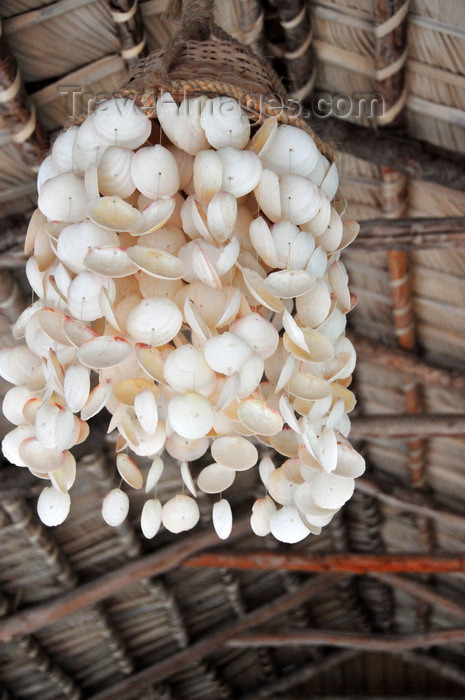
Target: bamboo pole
[[290, 637], [309, 562], [210, 643], [411, 233], [423, 591]]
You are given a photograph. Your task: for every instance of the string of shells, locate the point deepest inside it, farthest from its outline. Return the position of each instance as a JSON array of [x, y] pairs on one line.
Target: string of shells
[[188, 280]]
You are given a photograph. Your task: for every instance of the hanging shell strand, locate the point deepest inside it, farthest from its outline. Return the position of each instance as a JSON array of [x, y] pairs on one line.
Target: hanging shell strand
[[194, 290]]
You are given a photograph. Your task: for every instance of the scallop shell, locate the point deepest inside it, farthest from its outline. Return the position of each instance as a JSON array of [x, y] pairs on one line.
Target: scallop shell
[[53, 506], [221, 216], [114, 172], [180, 513], [47, 171], [103, 352], [262, 241], [62, 149], [120, 122], [115, 214], [63, 198], [98, 398], [156, 263], [287, 526], [331, 490], [224, 123], [185, 369], [155, 172], [227, 353], [331, 239], [251, 375], [109, 261], [215, 478], [242, 171], [290, 150], [115, 507], [268, 195], [83, 295], [155, 320], [318, 224], [155, 215], [300, 198], [129, 471], [234, 452], [288, 284], [191, 415], [43, 459], [331, 182], [88, 148], [182, 124], [207, 174], [76, 387], [314, 306], [260, 418], [222, 518], [255, 284], [184, 449], [12, 441], [75, 241], [150, 519], [262, 510], [264, 136], [154, 475], [257, 332]]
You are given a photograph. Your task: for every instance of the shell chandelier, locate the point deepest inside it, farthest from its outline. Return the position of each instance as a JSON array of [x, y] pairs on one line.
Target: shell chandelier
[[188, 279]]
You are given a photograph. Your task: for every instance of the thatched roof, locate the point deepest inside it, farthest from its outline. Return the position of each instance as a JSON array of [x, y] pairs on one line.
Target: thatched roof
[[373, 606]]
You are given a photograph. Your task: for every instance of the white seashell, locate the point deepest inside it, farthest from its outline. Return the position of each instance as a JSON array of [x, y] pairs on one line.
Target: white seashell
[[185, 369], [53, 506], [262, 241], [251, 375], [231, 308], [154, 320], [120, 122], [308, 386], [187, 478], [52, 323], [287, 526], [155, 215], [221, 216], [265, 469], [63, 198], [314, 306], [300, 251], [47, 170], [257, 332], [290, 150], [22, 322], [14, 402], [331, 182], [167, 238], [150, 519], [42, 459], [284, 234], [191, 415], [150, 359], [185, 164], [288, 413], [182, 124], [260, 418], [227, 257], [154, 475], [115, 214], [227, 353], [242, 171], [91, 182], [67, 429], [207, 175], [18, 364], [87, 147], [115, 507], [114, 172], [180, 513], [12, 441], [262, 510], [222, 518], [224, 123], [286, 373], [77, 332], [147, 445], [255, 284], [76, 240], [104, 351], [76, 387], [263, 136], [84, 295], [349, 233], [156, 263], [98, 398], [228, 392], [45, 421], [215, 478], [145, 407], [234, 452], [155, 172], [339, 282], [129, 471], [288, 284], [268, 195], [62, 150], [194, 221], [300, 198], [318, 263], [280, 487], [320, 170], [184, 449], [109, 261], [331, 490], [350, 463], [331, 239], [319, 223], [125, 390]]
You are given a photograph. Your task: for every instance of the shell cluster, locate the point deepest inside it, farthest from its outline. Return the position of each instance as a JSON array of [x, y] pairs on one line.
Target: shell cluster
[[195, 290]]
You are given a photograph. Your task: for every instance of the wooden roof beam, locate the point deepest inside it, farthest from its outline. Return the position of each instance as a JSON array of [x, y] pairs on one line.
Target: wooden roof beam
[[406, 426], [419, 160], [411, 233]]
